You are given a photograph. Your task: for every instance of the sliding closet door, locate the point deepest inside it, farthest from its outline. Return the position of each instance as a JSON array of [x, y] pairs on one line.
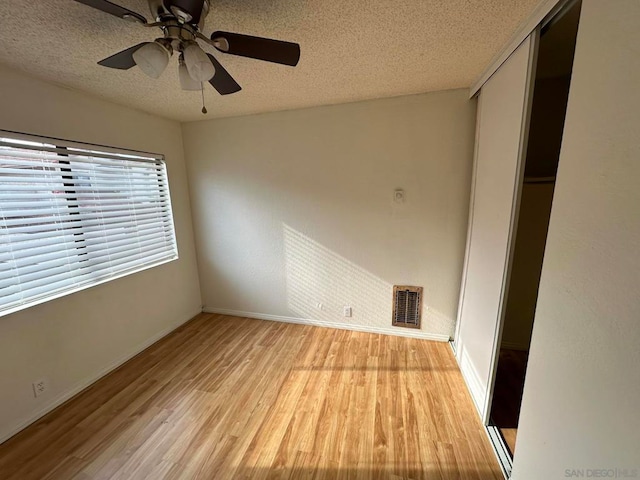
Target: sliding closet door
[[503, 112]]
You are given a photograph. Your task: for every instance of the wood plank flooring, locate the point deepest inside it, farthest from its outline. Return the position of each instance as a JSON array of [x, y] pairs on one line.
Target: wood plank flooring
[[510, 435], [234, 398]]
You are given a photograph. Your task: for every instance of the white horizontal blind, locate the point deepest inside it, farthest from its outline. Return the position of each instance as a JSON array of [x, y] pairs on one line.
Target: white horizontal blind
[[73, 217]]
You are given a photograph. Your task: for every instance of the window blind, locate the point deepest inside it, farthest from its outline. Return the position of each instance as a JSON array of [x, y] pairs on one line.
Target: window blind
[[75, 216]]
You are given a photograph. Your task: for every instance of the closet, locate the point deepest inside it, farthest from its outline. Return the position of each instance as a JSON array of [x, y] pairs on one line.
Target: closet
[[520, 120]]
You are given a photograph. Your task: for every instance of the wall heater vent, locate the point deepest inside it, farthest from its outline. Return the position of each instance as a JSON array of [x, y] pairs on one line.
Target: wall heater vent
[[407, 306]]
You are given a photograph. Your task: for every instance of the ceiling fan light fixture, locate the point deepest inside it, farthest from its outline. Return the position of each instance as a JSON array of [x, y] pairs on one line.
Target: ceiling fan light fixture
[[182, 23], [198, 64], [186, 82], [152, 58]]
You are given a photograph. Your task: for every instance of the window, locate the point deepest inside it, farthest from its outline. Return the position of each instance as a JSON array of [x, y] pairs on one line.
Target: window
[[73, 216]]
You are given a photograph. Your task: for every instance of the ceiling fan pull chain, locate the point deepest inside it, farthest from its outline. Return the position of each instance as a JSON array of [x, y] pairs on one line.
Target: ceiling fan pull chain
[[204, 109]]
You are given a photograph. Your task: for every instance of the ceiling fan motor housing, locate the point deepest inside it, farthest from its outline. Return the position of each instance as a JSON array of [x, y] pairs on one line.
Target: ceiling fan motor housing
[[179, 35], [193, 12]]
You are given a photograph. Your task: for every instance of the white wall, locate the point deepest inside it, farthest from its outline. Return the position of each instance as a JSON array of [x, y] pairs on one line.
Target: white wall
[[72, 340], [295, 208], [582, 392]]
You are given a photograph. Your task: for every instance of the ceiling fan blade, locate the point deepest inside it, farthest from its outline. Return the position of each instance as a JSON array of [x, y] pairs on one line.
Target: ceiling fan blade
[[276, 51], [222, 81], [114, 9], [122, 60]]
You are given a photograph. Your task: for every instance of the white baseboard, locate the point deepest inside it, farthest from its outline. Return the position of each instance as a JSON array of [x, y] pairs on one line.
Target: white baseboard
[[474, 384], [399, 332], [86, 382]]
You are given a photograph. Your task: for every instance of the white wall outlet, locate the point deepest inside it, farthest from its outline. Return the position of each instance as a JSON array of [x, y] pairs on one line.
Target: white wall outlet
[[346, 311], [39, 387]]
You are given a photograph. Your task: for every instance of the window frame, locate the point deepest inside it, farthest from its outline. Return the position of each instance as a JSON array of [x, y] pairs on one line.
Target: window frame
[[63, 144]]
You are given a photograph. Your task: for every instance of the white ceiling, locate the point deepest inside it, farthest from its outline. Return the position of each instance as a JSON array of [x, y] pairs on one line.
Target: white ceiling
[[351, 50]]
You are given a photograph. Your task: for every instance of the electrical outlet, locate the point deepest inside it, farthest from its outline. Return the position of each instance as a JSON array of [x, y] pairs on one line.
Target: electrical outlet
[[346, 311], [39, 387]]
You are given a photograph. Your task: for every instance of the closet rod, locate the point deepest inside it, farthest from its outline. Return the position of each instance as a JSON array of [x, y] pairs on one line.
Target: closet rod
[[539, 179]]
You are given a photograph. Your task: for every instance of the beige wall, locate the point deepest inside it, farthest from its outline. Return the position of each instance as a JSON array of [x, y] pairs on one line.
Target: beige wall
[[582, 391], [295, 209], [73, 340]]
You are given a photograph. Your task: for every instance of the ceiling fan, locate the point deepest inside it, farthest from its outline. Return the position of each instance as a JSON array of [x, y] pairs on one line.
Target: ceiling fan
[[181, 22]]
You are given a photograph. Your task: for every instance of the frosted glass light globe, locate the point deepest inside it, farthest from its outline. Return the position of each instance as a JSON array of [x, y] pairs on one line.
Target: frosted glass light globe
[[152, 59], [186, 82], [198, 64]]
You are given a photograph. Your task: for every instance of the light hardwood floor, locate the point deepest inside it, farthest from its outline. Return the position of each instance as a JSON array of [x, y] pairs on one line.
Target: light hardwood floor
[[232, 398], [510, 435]]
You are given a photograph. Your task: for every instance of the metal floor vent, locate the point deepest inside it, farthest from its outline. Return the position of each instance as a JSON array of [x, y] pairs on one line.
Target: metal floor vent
[[407, 306]]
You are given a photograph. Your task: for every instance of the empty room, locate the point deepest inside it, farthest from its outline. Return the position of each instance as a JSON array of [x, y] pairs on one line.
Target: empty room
[[319, 240]]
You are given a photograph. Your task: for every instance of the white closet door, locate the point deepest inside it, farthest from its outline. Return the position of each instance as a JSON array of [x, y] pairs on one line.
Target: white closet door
[[503, 112]]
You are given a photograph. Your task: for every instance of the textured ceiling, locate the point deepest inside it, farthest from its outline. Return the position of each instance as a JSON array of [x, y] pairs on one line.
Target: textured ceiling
[[351, 50]]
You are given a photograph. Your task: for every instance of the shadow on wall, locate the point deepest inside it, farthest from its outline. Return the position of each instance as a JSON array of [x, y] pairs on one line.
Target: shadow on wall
[[320, 283]]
